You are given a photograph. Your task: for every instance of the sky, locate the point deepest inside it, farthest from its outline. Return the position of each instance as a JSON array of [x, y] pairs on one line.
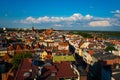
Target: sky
[[61, 14]]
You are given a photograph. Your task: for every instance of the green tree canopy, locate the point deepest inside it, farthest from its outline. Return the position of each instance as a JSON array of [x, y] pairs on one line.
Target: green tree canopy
[[109, 48], [19, 57]]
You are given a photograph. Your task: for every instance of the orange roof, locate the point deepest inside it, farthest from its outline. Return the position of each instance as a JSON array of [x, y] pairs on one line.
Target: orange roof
[[18, 49], [91, 52], [80, 44], [29, 40], [6, 57], [65, 51], [49, 56], [63, 44], [49, 31], [109, 62], [37, 45], [25, 47], [10, 48]]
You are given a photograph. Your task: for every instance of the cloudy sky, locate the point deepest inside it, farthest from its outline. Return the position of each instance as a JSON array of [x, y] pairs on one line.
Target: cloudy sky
[[61, 14]]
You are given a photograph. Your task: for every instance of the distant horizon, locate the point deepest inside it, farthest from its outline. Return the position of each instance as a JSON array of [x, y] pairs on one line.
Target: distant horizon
[[61, 14], [62, 29]]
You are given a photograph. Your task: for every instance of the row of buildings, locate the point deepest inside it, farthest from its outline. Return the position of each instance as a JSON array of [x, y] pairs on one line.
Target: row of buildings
[[59, 55]]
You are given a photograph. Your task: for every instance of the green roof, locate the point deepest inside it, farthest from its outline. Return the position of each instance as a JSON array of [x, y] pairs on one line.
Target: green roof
[[63, 58]]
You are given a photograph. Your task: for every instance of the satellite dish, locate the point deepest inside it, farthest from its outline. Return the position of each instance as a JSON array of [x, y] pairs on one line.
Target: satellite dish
[[39, 72]]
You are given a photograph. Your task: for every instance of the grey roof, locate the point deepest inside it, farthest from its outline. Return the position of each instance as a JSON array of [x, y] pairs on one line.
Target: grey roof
[[47, 64], [82, 71], [116, 76], [104, 56], [3, 48]]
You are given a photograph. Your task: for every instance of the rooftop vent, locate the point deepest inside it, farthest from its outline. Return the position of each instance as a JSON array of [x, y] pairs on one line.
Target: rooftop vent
[[52, 74], [30, 70], [117, 67], [26, 74]]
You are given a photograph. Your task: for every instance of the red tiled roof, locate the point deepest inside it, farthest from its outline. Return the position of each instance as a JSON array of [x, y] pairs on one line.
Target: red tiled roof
[[25, 66], [37, 45], [52, 68], [91, 52], [90, 39], [6, 57], [25, 47], [49, 56], [113, 61], [63, 44], [18, 49], [10, 48], [80, 44], [64, 70], [49, 31]]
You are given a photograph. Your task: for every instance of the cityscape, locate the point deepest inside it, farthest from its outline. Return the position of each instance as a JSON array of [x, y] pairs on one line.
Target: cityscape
[[59, 40], [59, 55]]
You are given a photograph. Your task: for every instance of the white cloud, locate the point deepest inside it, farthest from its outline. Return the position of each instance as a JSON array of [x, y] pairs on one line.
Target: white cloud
[[74, 20], [99, 23], [74, 17], [41, 19], [88, 17], [29, 20], [115, 21]]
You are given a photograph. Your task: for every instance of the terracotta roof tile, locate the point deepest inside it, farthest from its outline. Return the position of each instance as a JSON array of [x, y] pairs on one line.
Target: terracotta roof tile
[[37, 45], [63, 44], [91, 52], [25, 66], [10, 48], [18, 49], [6, 57], [62, 70]]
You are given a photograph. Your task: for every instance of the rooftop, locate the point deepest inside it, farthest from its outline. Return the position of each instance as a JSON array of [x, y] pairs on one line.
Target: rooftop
[[61, 70], [25, 66], [104, 56]]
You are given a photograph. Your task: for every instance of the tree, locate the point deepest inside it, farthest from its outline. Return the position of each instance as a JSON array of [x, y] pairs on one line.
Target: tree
[[109, 48], [19, 57]]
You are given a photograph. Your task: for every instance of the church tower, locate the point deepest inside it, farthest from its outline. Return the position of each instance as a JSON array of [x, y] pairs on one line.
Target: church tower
[[32, 29]]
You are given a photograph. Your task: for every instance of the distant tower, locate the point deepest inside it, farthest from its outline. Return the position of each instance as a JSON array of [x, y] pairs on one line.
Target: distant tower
[[95, 36], [32, 29]]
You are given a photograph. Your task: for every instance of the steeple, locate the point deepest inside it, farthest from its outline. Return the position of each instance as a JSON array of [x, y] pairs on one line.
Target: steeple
[[32, 29]]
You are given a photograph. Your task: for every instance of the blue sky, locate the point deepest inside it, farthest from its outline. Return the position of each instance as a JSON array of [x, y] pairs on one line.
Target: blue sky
[[61, 14]]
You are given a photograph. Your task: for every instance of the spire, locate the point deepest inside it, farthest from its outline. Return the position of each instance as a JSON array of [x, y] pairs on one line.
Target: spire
[[32, 29]]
